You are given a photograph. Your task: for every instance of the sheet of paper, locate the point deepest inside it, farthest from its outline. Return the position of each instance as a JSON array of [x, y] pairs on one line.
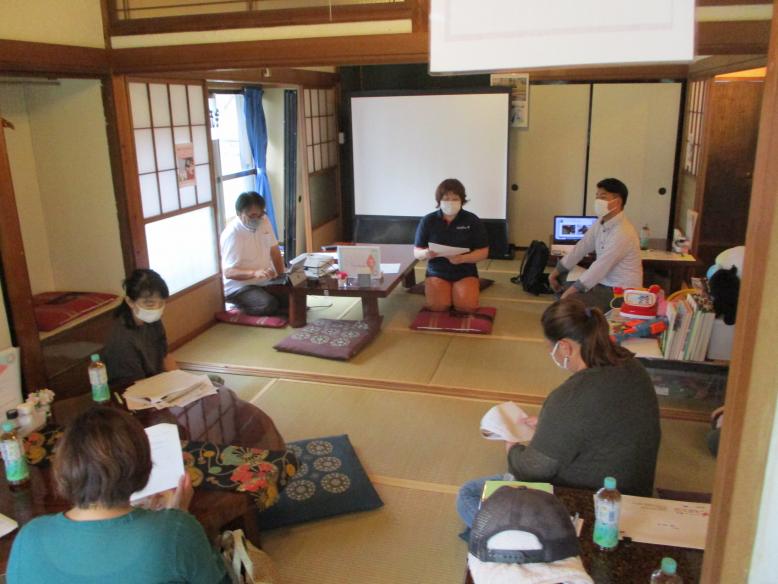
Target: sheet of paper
[[643, 347], [447, 250], [167, 462], [390, 268], [505, 422], [7, 525], [664, 522]]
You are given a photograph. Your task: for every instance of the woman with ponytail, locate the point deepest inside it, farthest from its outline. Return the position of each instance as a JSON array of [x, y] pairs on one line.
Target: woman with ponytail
[[602, 421]]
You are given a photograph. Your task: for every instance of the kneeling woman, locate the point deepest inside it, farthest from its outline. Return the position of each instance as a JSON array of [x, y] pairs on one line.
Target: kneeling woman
[[104, 457], [453, 280], [603, 421], [137, 345]]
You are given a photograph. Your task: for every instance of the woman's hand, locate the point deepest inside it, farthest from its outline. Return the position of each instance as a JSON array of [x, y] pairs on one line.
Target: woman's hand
[[431, 254], [457, 259], [553, 280], [531, 421], [183, 494]]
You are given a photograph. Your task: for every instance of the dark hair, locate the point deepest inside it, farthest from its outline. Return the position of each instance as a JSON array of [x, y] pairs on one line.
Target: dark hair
[[103, 457], [725, 290], [615, 186], [571, 319], [142, 282], [450, 185], [248, 199]]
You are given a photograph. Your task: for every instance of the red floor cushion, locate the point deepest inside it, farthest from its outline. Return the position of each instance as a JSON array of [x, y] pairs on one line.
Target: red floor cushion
[[483, 284], [235, 316], [480, 322], [53, 309], [331, 339]]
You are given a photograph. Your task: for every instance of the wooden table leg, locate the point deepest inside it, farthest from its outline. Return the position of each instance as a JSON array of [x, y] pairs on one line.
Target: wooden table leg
[[409, 280], [370, 308], [297, 308]]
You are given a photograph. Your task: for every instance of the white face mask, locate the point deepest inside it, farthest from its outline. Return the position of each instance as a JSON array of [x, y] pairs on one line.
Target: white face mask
[[601, 208], [450, 207], [553, 357], [148, 315], [252, 224]]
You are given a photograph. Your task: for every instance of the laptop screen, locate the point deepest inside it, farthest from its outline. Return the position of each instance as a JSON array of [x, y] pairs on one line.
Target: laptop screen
[[571, 228]]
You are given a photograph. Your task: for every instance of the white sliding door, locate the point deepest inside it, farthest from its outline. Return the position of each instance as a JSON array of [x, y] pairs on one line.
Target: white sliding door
[[634, 132], [548, 161]]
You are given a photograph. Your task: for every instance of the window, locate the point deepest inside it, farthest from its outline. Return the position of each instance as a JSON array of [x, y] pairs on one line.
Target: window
[[695, 106], [321, 129], [173, 164], [236, 170]]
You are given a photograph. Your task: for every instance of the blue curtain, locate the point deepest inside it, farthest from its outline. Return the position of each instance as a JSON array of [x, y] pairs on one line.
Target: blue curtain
[[256, 128]]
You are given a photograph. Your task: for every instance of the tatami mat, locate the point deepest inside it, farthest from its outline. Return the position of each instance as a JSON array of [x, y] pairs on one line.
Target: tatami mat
[[435, 439], [411, 540]]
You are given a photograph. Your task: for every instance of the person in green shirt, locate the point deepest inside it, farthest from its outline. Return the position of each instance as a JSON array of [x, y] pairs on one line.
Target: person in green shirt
[[602, 421], [104, 457]]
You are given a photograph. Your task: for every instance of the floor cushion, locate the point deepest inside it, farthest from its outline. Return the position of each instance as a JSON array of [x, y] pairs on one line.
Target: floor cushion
[[53, 309], [235, 316], [331, 339], [483, 284], [480, 322]]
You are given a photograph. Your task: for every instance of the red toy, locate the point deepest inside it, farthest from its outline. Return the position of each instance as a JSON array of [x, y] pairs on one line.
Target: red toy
[[639, 302]]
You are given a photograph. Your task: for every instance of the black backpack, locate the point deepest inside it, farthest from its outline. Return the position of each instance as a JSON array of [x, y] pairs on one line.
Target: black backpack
[[532, 276]]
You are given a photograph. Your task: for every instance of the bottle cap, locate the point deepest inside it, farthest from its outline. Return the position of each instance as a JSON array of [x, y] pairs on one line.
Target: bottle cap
[[8, 426], [12, 414], [669, 566], [609, 483], [95, 358]]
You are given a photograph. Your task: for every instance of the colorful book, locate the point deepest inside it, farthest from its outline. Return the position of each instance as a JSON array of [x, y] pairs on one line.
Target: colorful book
[[491, 486]]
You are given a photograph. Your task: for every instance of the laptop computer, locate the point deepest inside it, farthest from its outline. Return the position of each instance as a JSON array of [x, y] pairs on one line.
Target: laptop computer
[[569, 230]]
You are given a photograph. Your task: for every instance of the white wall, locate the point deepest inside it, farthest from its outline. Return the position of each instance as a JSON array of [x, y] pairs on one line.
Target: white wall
[[65, 22], [21, 155], [273, 104], [76, 189]]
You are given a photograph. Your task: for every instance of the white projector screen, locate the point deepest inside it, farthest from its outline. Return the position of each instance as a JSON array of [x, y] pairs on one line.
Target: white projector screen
[[405, 145]]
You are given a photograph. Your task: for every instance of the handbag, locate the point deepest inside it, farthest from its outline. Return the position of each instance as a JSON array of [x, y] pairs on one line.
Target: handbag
[[245, 563]]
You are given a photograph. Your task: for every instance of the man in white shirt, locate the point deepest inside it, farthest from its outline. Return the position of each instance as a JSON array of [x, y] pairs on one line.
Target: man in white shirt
[[251, 258], [617, 246]]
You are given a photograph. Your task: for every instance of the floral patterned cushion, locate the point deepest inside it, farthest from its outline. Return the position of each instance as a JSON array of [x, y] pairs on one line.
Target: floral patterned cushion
[[331, 339], [480, 322]]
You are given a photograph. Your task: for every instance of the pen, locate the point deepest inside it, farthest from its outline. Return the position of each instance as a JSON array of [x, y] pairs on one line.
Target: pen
[[118, 398]]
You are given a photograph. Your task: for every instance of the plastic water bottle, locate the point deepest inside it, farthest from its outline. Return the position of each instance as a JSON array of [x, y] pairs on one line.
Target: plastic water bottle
[[645, 236], [17, 473], [607, 508], [98, 378], [666, 573]]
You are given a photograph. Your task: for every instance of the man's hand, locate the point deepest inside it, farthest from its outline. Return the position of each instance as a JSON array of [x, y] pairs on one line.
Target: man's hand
[[553, 280], [264, 274], [457, 259], [431, 254]]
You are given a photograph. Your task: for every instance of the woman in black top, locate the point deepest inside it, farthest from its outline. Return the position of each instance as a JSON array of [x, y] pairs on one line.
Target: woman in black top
[[453, 280], [602, 421], [137, 345]]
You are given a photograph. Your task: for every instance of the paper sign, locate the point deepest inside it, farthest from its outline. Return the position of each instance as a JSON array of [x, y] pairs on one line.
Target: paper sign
[[185, 165], [664, 522], [167, 462]]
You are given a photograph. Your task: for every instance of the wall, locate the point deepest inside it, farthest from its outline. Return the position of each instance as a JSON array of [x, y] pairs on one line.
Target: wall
[[764, 563], [76, 189], [5, 329], [70, 22], [273, 103], [21, 155]]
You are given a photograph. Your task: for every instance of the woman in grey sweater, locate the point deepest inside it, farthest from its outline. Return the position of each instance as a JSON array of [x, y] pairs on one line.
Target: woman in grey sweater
[[602, 421]]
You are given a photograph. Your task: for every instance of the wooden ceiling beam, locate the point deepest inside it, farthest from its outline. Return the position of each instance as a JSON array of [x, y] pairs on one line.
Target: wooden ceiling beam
[[747, 37], [42, 58], [259, 75]]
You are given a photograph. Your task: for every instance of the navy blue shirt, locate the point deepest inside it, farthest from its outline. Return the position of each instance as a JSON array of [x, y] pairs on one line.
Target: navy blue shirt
[[466, 230]]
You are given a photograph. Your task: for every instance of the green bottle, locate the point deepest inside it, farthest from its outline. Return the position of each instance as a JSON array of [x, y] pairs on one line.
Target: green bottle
[[607, 508], [98, 378], [17, 473]]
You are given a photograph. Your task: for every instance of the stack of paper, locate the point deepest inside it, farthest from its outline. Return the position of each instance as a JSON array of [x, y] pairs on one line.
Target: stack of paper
[[506, 422], [170, 389]]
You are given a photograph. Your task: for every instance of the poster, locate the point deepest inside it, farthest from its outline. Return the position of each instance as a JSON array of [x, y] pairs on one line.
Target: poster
[[185, 166], [519, 84]]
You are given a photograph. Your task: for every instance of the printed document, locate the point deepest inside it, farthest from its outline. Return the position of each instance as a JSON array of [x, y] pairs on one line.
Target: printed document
[[664, 522], [506, 422], [447, 250], [167, 462]]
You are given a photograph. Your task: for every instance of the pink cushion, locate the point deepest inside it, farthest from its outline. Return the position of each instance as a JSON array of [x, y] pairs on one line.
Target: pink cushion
[[479, 323], [235, 316], [483, 284], [53, 309], [331, 339]]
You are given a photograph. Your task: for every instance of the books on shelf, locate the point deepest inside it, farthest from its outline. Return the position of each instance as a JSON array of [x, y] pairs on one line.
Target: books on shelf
[[689, 326]]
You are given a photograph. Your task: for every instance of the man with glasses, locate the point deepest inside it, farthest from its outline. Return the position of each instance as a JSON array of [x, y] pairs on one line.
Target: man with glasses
[[615, 242], [251, 259]]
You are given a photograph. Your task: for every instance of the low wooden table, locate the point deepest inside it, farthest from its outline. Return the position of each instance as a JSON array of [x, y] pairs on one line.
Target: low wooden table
[[222, 419], [630, 561], [328, 286]]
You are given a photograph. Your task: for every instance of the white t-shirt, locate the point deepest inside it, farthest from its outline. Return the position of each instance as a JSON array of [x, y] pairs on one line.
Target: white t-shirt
[[246, 250]]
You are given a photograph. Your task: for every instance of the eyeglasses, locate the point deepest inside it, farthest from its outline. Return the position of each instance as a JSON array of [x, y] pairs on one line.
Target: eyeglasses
[[150, 302]]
